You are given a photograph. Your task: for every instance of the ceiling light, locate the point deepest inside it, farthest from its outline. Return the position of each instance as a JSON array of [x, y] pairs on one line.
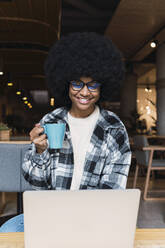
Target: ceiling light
[[1, 73], [148, 89], [26, 102], [24, 98], [153, 44], [10, 84], [18, 92]]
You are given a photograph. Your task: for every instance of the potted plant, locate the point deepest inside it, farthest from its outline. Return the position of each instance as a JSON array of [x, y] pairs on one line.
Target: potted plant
[[4, 132]]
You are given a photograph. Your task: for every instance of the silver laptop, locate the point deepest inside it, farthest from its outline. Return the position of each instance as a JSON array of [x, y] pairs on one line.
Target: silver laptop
[[80, 219]]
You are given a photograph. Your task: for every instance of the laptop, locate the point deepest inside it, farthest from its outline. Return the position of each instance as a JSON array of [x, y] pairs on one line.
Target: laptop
[[80, 219]]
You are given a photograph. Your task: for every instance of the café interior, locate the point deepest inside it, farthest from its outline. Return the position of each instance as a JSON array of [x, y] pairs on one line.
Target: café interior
[[27, 31]]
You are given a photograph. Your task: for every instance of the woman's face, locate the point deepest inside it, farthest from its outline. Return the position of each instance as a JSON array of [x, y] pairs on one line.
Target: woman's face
[[84, 99]]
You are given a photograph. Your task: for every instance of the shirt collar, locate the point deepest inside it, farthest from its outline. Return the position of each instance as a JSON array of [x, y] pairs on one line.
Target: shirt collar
[[108, 120]]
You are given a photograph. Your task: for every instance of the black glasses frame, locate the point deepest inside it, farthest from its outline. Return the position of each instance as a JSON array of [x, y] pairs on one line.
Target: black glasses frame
[[86, 84]]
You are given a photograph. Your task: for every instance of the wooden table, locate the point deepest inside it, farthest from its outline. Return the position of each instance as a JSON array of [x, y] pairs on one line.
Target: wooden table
[[144, 238], [16, 142]]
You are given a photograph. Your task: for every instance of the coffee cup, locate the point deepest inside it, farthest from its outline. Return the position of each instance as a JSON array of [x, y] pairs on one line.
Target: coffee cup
[[55, 133]]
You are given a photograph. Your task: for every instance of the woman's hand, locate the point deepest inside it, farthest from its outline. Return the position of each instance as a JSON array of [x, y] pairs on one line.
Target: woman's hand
[[39, 139]]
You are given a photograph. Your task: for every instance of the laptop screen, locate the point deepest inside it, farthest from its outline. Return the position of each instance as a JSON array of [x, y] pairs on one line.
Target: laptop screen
[[78, 219]]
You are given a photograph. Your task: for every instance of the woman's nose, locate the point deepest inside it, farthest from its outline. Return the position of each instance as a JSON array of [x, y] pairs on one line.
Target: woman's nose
[[84, 91]]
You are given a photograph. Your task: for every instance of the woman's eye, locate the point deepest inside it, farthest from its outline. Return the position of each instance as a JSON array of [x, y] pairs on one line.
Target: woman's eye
[[92, 84], [75, 83]]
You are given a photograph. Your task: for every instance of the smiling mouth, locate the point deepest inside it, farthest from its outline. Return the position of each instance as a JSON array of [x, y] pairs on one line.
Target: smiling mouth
[[83, 100]]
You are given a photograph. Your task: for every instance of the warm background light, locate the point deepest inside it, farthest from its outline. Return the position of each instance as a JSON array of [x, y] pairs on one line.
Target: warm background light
[[148, 89], [52, 101], [153, 44]]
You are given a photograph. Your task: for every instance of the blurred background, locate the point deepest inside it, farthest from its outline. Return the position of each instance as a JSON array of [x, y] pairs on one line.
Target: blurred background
[[28, 28]]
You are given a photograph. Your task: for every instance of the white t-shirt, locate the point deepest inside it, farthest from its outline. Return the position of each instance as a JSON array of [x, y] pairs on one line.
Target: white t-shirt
[[81, 131]]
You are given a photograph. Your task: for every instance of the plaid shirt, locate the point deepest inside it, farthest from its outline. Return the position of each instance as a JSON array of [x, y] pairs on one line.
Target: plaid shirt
[[107, 158]]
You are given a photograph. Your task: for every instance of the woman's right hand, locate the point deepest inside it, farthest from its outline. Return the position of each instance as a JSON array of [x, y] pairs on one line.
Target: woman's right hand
[[39, 139]]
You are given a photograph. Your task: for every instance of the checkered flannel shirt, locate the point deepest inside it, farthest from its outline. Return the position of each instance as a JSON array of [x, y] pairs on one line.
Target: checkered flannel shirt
[[107, 159]]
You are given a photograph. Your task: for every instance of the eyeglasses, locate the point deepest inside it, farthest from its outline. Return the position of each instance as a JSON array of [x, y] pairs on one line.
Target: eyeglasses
[[78, 85]]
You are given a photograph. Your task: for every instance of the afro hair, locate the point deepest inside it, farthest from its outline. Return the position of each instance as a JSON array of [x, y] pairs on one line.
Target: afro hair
[[83, 54]]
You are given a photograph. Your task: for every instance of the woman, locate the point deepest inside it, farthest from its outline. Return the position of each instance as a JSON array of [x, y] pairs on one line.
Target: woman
[[82, 70]]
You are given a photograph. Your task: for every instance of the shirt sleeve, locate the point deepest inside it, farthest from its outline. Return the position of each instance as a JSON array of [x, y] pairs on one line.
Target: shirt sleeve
[[36, 168], [118, 161]]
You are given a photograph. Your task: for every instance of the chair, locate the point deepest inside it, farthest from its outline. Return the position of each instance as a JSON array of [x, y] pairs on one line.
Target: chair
[[11, 178], [144, 158]]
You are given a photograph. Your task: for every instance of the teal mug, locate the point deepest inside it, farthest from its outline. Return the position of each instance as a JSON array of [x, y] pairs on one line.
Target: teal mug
[[55, 133]]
